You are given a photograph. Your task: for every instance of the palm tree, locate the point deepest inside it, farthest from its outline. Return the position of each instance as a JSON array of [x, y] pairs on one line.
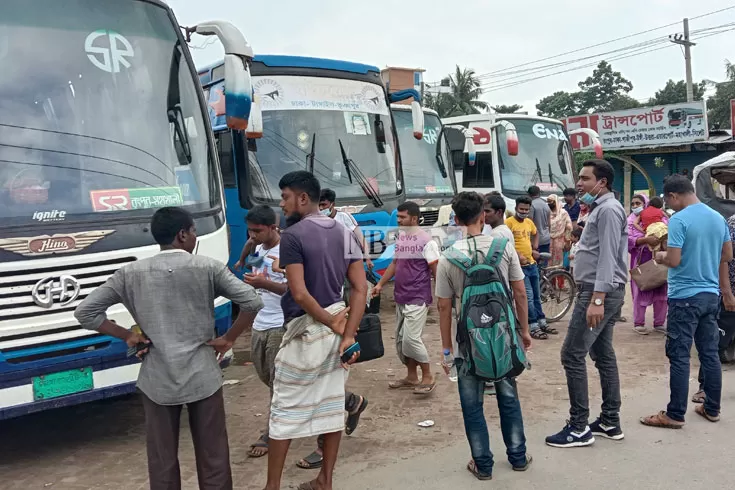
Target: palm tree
[[466, 92]]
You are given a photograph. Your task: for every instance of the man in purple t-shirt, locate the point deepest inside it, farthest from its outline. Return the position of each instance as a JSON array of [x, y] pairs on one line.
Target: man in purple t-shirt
[[317, 253], [414, 264]]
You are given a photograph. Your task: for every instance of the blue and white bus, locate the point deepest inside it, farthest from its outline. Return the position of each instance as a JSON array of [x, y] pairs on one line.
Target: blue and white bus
[[329, 117], [102, 120]]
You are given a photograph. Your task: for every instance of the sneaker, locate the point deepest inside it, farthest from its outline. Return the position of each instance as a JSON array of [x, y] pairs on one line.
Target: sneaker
[[660, 329], [568, 437], [641, 329], [613, 432]]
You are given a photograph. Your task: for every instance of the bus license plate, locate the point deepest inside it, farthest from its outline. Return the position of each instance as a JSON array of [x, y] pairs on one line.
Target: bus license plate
[[63, 383]]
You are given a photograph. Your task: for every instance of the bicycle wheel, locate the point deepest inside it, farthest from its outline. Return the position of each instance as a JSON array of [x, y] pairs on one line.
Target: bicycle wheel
[[557, 294]]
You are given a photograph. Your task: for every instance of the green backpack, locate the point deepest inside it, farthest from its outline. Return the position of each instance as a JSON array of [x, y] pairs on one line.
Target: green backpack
[[486, 327]]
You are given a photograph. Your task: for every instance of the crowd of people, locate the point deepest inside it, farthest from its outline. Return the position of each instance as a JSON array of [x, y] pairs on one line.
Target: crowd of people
[[306, 292]]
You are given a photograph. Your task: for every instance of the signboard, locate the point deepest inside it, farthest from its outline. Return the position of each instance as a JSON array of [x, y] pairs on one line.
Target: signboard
[[128, 199], [644, 127]]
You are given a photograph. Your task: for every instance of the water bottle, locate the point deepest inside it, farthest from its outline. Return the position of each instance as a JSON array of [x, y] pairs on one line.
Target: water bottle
[[449, 361]]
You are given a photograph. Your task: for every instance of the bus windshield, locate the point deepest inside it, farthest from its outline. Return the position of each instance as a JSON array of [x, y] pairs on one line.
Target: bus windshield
[[99, 114], [305, 114], [544, 158], [421, 173]]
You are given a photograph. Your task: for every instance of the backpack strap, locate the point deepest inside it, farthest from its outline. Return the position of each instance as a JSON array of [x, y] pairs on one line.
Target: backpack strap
[[495, 252], [458, 259]]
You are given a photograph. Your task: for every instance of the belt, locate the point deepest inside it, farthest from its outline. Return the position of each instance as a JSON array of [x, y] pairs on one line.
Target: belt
[[586, 286]]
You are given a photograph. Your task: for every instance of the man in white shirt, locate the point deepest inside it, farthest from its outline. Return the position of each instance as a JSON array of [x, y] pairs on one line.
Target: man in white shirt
[[327, 200], [268, 327]]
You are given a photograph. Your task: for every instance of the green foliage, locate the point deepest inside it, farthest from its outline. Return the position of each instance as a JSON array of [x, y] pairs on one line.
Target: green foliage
[[463, 98]]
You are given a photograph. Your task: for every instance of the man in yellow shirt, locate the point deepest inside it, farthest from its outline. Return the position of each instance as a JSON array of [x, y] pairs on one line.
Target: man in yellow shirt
[[526, 242]]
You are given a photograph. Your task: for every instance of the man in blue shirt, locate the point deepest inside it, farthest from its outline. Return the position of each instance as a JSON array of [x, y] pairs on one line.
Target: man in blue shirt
[[572, 205], [698, 251]]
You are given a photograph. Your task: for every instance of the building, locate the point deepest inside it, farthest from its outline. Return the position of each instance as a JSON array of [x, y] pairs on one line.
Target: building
[[397, 78]]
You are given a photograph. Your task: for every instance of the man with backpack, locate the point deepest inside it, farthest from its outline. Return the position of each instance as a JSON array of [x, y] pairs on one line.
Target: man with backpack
[[477, 274]]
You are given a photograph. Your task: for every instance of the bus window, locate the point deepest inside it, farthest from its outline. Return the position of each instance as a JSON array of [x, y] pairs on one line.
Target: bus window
[[226, 161], [481, 173]]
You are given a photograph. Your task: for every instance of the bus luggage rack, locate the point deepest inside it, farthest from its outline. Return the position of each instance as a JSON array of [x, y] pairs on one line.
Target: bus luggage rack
[[40, 292]]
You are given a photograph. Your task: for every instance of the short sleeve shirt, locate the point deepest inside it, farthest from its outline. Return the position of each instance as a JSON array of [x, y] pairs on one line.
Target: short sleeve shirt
[[522, 233]]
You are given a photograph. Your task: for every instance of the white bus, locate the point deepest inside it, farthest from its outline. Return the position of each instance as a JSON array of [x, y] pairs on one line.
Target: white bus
[[102, 121], [509, 153]]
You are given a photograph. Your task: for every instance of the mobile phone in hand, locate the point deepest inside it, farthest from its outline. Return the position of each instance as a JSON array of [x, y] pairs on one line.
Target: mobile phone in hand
[[347, 355], [133, 351]]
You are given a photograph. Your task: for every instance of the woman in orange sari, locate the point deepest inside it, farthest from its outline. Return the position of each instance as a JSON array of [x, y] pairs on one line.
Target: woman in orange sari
[[560, 229]]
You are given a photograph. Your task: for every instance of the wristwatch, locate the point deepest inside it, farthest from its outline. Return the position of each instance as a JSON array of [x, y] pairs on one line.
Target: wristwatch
[[597, 302]]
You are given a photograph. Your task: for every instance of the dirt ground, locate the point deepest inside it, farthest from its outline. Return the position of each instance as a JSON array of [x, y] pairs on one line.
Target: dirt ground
[[102, 445]]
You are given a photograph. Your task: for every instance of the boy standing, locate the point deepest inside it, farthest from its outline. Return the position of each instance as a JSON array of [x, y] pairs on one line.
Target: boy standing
[[268, 326], [413, 265]]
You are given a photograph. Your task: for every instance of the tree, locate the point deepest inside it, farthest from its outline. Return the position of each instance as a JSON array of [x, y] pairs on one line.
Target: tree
[[506, 109], [719, 104], [676, 92], [603, 91], [560, 105], [464, 97]]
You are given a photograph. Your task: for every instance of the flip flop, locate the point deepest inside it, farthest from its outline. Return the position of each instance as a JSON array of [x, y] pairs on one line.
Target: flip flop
[[402, 384], [539, 334], [313, 461], [262, 443], [550, 330], [424, 389], [473, 469], [699, 410], [529, 460], [698, 397], [354, 418], [662, 420], [307, 485]]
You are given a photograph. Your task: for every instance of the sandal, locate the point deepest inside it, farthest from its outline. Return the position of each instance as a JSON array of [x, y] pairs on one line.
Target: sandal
[[539, 334], [311, 462], [549, 330], [698, 397], [699, 410], [354, 418], [261, 444], [424, 389], [473, 469], [662, 420], [402, 384], [307, 485], [529, 460]]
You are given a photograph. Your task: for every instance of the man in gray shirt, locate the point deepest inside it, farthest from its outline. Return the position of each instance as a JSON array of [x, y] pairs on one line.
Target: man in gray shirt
[[600, 270], [541, 216], [171, 297]]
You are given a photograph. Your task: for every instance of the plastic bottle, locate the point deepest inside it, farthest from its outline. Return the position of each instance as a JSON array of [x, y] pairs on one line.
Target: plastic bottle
[[449, 361]]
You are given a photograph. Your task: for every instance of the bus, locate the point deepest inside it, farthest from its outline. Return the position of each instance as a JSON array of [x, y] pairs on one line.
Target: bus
[[102, 121], [329, 117], [428, 172], [509, 153]]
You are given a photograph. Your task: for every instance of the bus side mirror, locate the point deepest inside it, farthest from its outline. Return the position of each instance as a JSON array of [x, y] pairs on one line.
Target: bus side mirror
[[511, 138], [255, 124], [418, 120], [471, 153], [238, 93]]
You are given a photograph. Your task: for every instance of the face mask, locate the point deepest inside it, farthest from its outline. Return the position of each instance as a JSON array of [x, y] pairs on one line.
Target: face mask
[[637, 210], [325, 212], [552, 205], [521, 216], [588, 198]]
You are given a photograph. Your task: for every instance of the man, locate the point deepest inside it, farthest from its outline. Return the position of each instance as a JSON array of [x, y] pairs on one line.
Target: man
[[309, 383], [601, 272], [698, 250], [414, 264], [571, 205], [526, 237], [726, 319], [327, 207], [268, 326], [171, 296], [450, 282], [494, 208], [540, 214]]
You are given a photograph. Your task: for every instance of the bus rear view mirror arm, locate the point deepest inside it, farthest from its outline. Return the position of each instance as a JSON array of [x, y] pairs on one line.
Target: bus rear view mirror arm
[[594, 137]]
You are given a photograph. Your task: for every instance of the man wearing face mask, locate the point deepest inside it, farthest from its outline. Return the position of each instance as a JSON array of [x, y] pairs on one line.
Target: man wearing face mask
[[326, 207], [601, 272]]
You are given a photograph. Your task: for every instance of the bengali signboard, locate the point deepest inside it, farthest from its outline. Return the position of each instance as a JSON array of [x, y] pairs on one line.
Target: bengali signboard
[[644, 127]]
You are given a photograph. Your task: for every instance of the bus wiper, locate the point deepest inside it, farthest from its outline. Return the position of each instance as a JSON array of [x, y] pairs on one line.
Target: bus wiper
[[310, 156], [352, 168], [439, 158]]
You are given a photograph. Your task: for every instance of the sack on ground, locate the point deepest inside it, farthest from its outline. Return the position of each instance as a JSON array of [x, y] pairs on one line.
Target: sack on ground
[[486, 327]]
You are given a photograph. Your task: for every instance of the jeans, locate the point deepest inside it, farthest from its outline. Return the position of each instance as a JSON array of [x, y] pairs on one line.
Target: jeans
[[598, 342], [471, 396], [533, 291], [693, 319]]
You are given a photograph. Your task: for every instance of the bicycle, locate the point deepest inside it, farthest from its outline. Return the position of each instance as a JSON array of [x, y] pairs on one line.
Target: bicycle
[[557, 289]]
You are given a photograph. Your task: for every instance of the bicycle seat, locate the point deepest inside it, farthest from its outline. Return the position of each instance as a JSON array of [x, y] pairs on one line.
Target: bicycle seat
[[544, 256]]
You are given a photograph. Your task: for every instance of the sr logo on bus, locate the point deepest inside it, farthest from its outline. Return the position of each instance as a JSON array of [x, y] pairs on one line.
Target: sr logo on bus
[[113, 52]]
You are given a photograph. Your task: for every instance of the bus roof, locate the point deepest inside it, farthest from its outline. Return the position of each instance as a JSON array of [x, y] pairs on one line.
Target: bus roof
[[277, 60], [494, 117], [404, 107]]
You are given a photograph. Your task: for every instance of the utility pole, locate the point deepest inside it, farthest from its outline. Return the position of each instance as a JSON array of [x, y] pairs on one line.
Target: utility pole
[[684, 41]]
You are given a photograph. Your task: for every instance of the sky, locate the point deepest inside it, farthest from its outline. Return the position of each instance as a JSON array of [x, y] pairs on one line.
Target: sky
[[484, 35]]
